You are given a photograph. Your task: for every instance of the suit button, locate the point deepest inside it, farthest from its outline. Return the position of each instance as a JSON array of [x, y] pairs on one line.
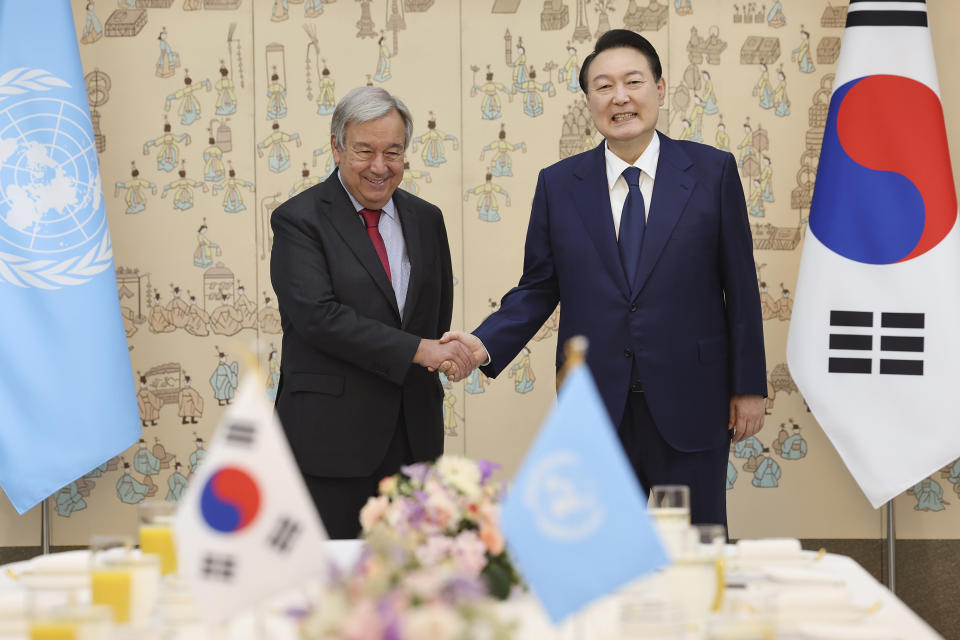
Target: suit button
[[636, 387], [633, 308], [627, 353]]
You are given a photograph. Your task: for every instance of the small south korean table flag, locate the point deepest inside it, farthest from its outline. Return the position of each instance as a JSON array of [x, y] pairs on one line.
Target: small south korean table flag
[[247, 528]]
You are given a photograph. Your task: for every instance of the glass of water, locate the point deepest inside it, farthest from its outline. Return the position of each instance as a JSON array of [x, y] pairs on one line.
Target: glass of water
[[669, 508]]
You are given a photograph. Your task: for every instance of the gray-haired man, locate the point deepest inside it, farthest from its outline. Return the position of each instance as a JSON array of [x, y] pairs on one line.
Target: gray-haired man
[[364, 283]]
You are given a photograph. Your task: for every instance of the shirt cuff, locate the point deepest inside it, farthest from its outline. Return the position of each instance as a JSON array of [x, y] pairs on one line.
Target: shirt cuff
[[487, 362]]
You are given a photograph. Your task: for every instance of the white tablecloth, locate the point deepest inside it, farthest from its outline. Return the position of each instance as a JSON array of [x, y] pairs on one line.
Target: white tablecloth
[[874, 613], [869, 611]]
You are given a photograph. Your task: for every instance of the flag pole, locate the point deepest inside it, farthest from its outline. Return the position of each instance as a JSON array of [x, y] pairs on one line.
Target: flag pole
[[45, 526], [891, 550], [575, 354]]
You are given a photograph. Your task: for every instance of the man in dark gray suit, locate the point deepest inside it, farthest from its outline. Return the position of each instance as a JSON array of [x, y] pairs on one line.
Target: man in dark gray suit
[[365, 288]]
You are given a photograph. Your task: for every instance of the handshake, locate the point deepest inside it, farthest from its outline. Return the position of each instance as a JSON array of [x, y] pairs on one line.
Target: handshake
[[456, 354]]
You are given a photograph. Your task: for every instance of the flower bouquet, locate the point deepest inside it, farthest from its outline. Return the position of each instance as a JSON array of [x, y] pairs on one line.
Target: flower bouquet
[[387, 596], [445, 514]]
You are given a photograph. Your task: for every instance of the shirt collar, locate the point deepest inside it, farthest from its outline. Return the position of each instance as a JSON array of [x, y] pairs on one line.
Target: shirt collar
[[388, 209], [647, 162]]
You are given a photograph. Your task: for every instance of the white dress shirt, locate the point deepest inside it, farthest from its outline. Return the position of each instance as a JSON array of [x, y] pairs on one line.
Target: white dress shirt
[[392, 234], [647, 163]]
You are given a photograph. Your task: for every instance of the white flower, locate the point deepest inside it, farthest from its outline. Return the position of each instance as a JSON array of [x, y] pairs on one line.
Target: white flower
[[324, 621], [426, 584], [433, 622], [460, 473]]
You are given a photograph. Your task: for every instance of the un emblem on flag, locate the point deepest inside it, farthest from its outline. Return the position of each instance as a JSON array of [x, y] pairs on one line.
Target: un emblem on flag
[[53, 225], [562, 497]]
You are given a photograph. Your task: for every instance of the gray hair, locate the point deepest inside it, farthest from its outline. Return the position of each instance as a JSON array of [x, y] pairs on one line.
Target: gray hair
[[364, 104]]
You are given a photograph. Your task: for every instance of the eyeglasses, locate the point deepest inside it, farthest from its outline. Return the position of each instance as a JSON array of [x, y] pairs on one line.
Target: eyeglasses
[[366, 155]]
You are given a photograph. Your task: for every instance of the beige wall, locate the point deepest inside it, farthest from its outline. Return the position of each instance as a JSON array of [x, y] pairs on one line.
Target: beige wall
[[432, 71]]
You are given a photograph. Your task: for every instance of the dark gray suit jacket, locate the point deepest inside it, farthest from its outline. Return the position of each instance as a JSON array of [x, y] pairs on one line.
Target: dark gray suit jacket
[[346, 367]]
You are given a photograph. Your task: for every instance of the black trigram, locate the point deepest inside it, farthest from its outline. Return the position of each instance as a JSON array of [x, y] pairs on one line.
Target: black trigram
[[241, 433], [217, 566], [879, 17], [843, 340], [284, 534]]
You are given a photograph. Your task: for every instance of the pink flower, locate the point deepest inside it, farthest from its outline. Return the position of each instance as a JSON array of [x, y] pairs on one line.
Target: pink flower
[[425, 584], [469, 553], [441, 509], [388, 486], [489, 514], [373, 511], [362, 623], [435, 550], [491, 537]]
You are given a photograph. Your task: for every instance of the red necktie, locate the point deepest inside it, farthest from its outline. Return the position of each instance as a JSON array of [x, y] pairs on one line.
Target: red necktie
[[372, 218]]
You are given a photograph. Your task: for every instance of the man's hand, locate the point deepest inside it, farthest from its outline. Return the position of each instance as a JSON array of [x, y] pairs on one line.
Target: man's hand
[[453, 358], [469, 340], [746, 416]]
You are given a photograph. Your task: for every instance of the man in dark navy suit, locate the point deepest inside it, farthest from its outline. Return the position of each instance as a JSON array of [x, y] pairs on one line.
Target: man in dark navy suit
[[645, 243]]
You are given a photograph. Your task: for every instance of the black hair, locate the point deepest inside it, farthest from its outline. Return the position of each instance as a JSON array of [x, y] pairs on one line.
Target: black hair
[[617, 38]]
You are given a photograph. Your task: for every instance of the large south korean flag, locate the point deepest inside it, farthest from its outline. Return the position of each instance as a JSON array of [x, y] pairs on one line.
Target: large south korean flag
[[874, 341]]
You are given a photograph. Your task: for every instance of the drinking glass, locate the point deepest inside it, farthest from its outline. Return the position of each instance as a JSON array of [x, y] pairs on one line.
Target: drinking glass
[[669, 507], [71, 623], [156, 533], [111, 579]]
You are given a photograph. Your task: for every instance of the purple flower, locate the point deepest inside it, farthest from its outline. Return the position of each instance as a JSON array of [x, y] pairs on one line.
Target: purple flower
[[417, 472], [334, 574], [486, 469], [298, 613], [393, 630], [463, 589], [469, 553], [390, 612], [415, 510]]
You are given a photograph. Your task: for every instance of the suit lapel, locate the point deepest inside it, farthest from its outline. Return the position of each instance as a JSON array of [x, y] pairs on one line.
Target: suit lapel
[[671, 190], [412, 230], [347, 222], [592, 198]]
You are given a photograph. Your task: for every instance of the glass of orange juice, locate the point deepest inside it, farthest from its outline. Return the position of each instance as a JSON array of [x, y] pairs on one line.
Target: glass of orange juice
[[124, 579], [111, 579], [156, 533], [72, 623]]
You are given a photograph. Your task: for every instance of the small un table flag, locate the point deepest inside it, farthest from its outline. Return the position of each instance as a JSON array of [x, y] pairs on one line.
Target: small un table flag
[[575, 518]]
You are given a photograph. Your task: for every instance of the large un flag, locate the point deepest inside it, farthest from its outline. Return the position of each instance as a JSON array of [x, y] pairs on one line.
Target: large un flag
[[67, 399]]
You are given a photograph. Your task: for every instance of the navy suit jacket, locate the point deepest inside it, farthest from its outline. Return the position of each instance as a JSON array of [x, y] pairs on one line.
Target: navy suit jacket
[[689, 322]]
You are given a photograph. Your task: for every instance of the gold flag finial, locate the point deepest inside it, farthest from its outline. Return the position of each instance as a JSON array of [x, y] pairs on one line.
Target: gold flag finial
[[575, 353]]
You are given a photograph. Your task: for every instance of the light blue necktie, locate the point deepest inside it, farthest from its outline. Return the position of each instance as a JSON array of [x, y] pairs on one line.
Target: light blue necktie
[[632, 225]]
